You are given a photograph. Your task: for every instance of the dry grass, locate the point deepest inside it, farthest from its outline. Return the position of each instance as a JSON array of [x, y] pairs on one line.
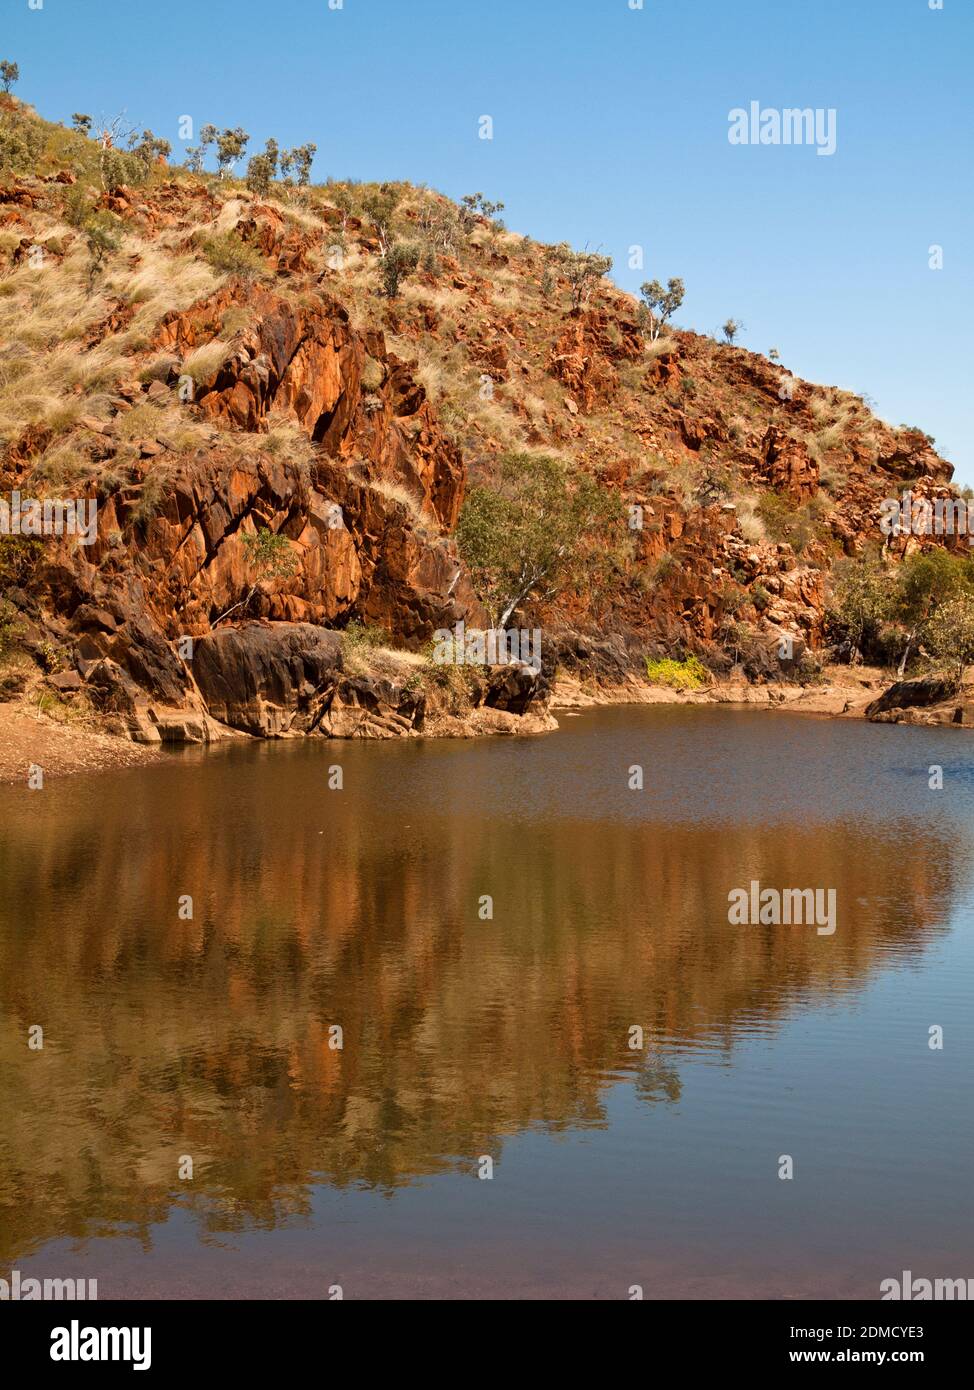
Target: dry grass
[[752, 526], [45, 375], [444, 299], [306, 219], [396, 492], [203, 362], [162, 281], [286, 440], [433, 376], [662, 344]]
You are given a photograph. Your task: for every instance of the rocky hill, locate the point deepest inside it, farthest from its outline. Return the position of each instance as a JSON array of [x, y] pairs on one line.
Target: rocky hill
[[214, 363]]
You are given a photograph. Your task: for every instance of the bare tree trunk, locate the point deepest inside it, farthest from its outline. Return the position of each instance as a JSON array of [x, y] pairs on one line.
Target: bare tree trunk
[[244, 603], [901, 669]]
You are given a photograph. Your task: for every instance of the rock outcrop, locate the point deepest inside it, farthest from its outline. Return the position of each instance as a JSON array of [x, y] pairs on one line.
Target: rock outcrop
[[294, 398], [268, 679]]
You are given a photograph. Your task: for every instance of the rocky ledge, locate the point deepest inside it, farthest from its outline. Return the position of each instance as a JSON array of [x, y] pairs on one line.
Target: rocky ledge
[[281, 680]]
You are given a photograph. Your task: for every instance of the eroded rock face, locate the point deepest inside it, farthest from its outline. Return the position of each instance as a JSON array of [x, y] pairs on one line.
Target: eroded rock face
[[268, 679], [788, 467], [581, 361], [304, 362], [189, 557], [365, 485], [366, 707], [284, 251], [365, 519], [517, 688]]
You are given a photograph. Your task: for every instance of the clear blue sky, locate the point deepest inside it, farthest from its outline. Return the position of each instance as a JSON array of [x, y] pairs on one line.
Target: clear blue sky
[[610, 129]]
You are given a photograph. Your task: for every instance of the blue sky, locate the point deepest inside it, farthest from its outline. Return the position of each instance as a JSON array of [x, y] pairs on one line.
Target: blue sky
[[610, 130]]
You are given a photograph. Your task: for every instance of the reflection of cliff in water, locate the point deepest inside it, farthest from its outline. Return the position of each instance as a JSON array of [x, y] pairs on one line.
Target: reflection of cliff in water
[[210, 1037]]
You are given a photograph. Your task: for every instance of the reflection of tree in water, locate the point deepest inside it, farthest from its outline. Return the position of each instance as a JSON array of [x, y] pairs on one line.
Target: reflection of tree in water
[[658, 1082], [210, 1037]]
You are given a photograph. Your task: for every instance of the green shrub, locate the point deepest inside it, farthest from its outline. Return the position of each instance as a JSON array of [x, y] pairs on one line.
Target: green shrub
[[690, 674], [18, 556], [103, 237], [399, 261], [229, 254], [358, 640], [787, 523], [665, 566], [540, 530], [21, 144], [121, 168], [358, 634], [373, 374]]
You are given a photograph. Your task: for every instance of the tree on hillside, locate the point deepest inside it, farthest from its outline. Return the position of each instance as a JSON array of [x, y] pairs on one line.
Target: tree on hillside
[[122, 160], [196, 154], [860, 603], [473, 207], [731, 329], [262, 169], [950, 634], [296, 164], [582, 269], [535, 530], [341, 197], [379, 206], [399, 260], [149, 148], [21, 143], [9, 74], [230, 148], [659, 304], [926, 583], [81, 123], [918, 605], [259, 175], [102, 238], [439, 221]]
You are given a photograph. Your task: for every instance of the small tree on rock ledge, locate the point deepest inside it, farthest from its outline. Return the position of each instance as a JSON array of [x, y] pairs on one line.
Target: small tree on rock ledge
[[269, 556]]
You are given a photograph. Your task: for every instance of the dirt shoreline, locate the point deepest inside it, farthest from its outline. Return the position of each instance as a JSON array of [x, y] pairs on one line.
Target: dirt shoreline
[[30, 738]]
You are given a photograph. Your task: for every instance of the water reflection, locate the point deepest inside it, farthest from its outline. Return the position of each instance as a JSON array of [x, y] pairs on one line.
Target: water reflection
[[210, 1037]]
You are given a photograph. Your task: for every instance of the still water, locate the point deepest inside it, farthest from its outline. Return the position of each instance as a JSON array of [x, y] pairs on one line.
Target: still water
[[509, 1038]]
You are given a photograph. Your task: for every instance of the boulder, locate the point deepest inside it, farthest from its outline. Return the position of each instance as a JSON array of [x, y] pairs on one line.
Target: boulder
[[267, 679], [927, 690], [517, 688]]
